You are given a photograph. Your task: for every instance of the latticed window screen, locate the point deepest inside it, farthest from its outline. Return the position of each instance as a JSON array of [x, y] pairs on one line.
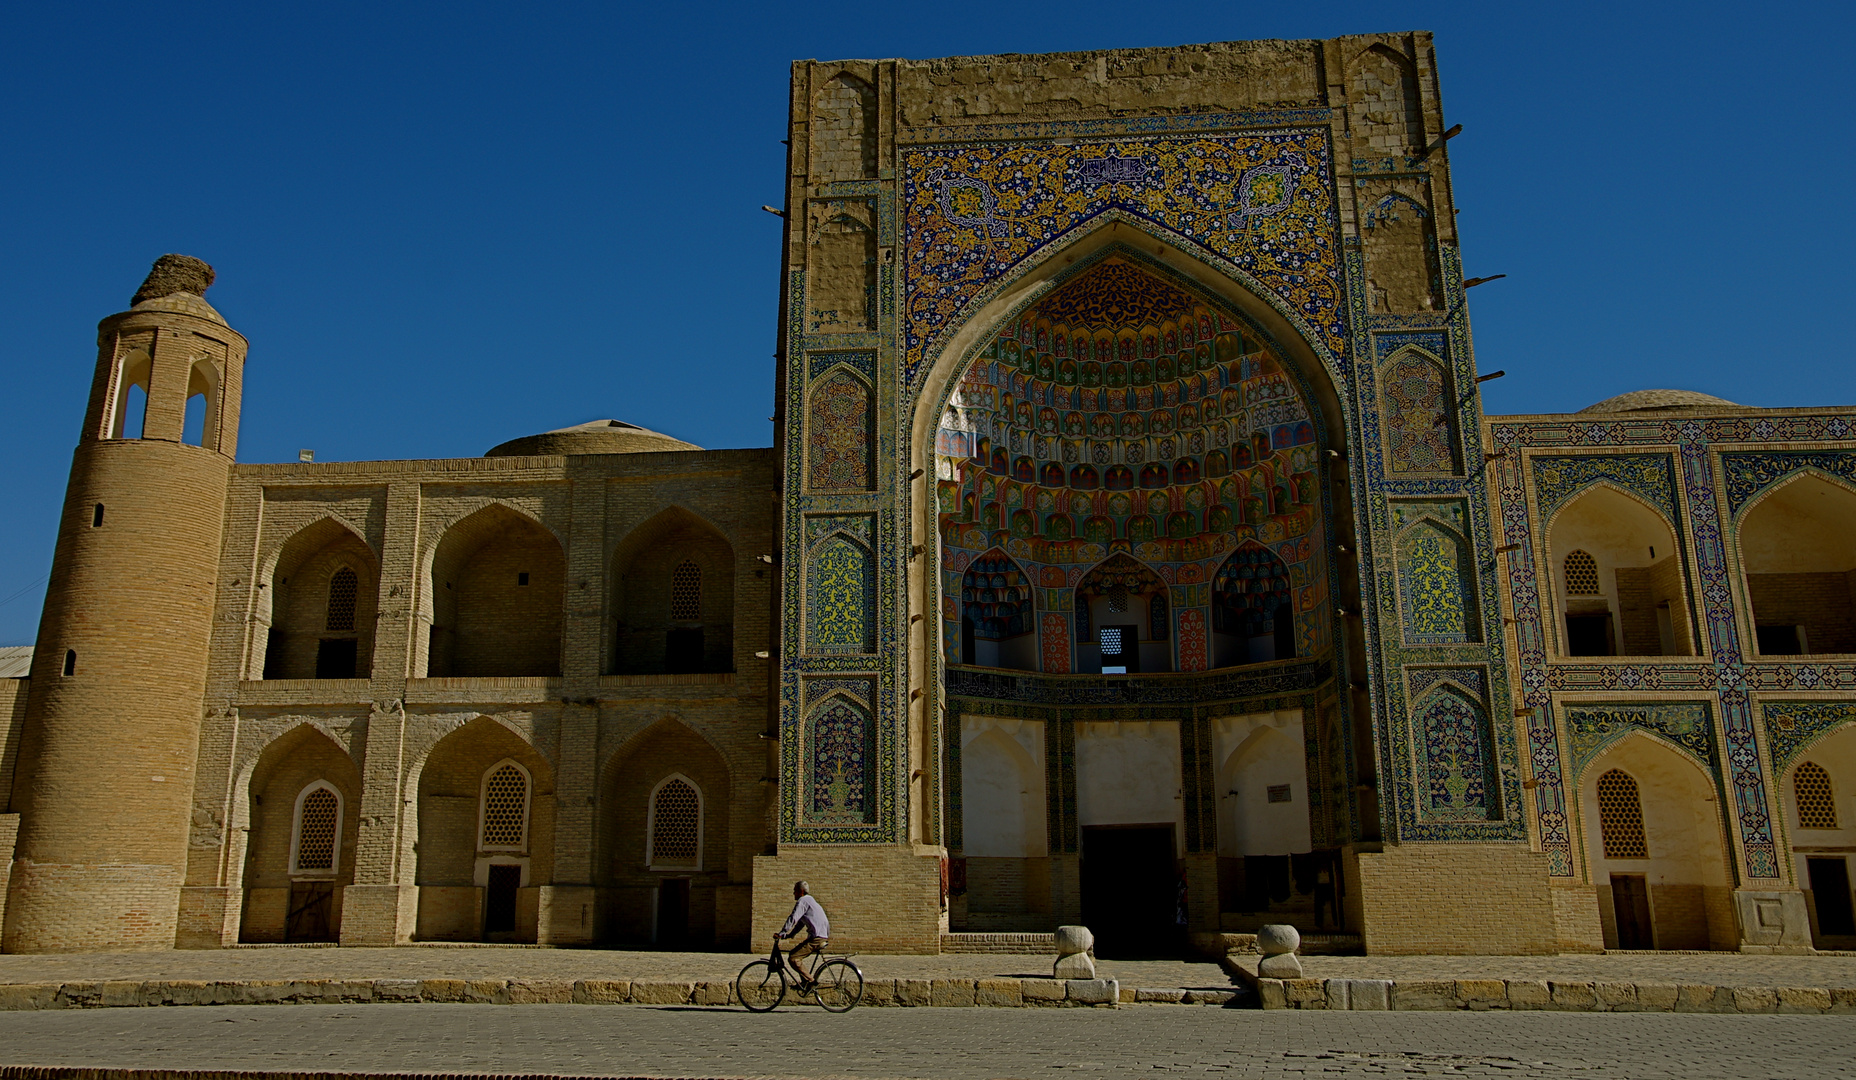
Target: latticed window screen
[[505, 805], [1620, 816], [1817, 809], [1581, 574], [342, 589], [674, 825], [317, 825], [686, 591], [1118, 598]]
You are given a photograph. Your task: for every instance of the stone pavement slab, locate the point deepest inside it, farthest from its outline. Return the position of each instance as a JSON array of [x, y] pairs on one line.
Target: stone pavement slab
[[570, 1040], [1720, 968], [569, 965]]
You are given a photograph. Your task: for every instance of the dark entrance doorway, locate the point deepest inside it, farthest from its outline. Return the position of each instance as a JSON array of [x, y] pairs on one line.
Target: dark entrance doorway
[[499, 902], [1830, 889], [1630, 900], [673, 912], [312, 906], [1130, 890]]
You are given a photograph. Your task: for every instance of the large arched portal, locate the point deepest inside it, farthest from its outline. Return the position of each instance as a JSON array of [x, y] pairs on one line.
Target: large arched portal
[[1152, 461]]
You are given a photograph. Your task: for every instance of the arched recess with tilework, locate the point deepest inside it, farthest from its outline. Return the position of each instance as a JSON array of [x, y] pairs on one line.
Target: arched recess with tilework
[[1641, 607], [1190, 412], [1798, 564], [316, 605], [493, 596], [1674, 890], [465, 872], [645, 900], [673, 597], [1817, 796], [1128, 411], [284, 902]]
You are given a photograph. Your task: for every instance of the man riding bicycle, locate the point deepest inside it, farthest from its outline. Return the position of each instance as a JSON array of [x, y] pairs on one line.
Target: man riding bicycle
[[807, 914]]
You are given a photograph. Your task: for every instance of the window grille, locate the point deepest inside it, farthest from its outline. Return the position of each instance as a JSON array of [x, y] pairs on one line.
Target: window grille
[[1817, 809], [317, 825], [686, 592], [1118, 598], [675, 824], [505, 808], [1581, 574], [343, 588], [1620, 816], [1110, 640]]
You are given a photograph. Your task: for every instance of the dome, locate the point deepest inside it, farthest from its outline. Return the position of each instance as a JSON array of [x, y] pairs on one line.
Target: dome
[[596, 437], [184, 303], [1654, 400]]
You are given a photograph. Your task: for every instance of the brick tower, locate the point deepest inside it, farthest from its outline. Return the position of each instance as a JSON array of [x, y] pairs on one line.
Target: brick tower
[[112, 721]]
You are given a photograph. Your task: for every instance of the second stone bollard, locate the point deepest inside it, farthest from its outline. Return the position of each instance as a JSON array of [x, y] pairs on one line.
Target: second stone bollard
[[1278, 942], [1073, 959]]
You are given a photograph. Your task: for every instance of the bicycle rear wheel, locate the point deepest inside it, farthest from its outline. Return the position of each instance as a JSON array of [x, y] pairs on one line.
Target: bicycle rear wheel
[[759, 987], [840, 986]]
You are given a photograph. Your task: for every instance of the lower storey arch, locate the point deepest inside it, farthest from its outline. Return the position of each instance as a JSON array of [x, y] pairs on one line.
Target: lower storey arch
[[1654, 845], [485, 830], [299, 854], [667, 868]]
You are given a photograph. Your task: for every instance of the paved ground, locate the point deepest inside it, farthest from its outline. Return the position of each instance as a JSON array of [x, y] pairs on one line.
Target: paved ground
[[431, 963], [932, 1043], [1716, 968]]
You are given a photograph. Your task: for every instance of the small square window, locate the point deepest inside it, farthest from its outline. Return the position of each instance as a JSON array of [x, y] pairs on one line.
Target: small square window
[[1279, 793], [522, 578]]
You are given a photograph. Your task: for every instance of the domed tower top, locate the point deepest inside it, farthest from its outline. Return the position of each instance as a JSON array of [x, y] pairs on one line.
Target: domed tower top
[[169, 368]]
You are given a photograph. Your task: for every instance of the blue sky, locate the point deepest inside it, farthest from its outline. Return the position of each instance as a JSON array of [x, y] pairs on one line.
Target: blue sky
[[446, 226]]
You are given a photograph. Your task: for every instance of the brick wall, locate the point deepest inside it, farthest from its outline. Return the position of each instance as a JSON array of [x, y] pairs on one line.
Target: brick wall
[[1455, 898], [1818, 602], [879, 898]]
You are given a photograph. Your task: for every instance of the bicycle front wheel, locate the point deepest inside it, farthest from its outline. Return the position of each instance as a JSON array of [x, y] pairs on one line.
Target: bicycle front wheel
[[840, 986], [760, 987]]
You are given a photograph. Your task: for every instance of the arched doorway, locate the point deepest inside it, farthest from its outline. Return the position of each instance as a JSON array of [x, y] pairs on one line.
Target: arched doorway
[[1617, 571], [304, 815]]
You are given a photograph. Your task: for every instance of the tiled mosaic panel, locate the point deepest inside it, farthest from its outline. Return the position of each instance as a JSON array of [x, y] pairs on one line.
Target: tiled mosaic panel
[[840, 587], [1262, 200], [841, 752], [1419, 415], [840, 429], [1792, 726], [1748, 474], [1593, 728], [1456, 759], [1436, 592]]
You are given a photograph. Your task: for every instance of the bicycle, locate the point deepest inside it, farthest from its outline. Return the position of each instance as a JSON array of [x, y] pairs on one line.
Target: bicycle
[[836, 983]]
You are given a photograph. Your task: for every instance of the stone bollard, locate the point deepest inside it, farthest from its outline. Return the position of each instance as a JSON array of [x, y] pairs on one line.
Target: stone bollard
[[1278, 942], [1073, 959]]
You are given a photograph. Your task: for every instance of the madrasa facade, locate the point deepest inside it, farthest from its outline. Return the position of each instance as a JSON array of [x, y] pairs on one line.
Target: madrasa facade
[[1135, 552]]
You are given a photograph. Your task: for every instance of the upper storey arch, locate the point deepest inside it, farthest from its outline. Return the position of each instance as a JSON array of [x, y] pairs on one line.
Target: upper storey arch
[[1127, 411]]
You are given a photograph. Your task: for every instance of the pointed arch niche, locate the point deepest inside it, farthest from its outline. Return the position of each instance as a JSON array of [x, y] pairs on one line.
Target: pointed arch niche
[[493, 598], [285, 900], [673, 598], [1125, 412], [1798, 556], [1662, 882], [840, 587], [1419, 413], [1641, 604], [1436, 580], [840, 432], [998, 627], [316, 606]]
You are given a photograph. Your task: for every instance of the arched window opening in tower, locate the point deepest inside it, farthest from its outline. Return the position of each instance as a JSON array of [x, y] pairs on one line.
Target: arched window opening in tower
[[202, 413], [70, 662], [96, 517], [1125, 414], [131, 395]]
